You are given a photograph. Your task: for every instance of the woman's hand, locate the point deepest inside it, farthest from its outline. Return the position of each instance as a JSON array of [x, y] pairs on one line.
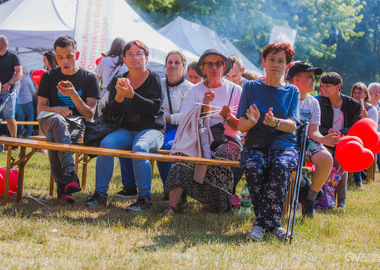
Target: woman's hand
[[270, 120], [253, 114], [335, 131], [331, 139], [225, 111], [124, 90], [208, 97]]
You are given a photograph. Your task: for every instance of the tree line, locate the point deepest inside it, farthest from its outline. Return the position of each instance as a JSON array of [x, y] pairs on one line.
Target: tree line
[[337, 35]]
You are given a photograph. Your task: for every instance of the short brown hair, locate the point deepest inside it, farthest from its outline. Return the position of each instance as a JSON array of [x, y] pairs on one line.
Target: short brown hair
[[234, 59], [332, 78], [277, 47], [249, 75], [192, 65], [65, 41], [362, 87], [137, 43]]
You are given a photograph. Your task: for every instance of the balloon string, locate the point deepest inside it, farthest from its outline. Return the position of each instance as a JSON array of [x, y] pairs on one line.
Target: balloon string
[[30, 196]]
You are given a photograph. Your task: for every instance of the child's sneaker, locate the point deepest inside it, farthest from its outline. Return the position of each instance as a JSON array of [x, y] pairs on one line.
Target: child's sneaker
[[95, 200], [141, 205], [73, 183], [280, 233]]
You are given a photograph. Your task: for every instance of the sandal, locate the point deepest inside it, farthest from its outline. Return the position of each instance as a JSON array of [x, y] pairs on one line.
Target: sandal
[[169, 211]]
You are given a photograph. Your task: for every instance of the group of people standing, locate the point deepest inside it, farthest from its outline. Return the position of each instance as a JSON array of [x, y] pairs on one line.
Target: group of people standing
[[168, 113]]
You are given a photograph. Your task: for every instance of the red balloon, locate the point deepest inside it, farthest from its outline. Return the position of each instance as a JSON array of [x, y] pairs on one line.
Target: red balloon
[[355, 157], [13, 179], [366, 129], [97, 61], [376, 149], [36, 76], [342, 143]]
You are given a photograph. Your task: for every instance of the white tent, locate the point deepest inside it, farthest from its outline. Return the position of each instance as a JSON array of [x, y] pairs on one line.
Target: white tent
[[33, 25], [123, 21], [36, 23], [198, 38]]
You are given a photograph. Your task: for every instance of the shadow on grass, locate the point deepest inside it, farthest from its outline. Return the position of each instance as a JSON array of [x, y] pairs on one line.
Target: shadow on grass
[[193, 225]]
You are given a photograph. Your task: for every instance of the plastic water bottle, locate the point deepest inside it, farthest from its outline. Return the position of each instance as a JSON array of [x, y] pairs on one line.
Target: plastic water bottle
[[205, 140], [245, 208]]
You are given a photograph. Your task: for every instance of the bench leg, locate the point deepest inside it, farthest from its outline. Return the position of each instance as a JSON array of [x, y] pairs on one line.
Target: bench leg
[[152, 166], [84, 171], [21, 170], [76, 162], [371, 172], [289, 197], [51, 187], [8, 174]]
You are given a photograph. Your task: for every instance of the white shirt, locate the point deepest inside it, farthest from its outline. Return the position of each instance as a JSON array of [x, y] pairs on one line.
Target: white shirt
[[177, 97], [222, 96], [106, 70], [338, 120], [309, 110]]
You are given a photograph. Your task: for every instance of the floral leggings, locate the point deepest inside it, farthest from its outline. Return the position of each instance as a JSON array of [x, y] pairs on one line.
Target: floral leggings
[[267, 174]]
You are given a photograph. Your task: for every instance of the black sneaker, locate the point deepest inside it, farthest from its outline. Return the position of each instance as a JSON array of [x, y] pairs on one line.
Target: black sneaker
[[308, 208], [141, 205], [127, 193], [95, 200], [72, 181]]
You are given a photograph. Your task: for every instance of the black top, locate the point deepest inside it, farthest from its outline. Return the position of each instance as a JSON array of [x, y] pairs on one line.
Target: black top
[[85, 83], [351, 112], [8, 62], [144, 110]]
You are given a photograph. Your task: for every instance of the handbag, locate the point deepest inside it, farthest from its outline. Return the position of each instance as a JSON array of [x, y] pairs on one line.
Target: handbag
[[261, 136], [217, 131], [105, 124], [218, 135]]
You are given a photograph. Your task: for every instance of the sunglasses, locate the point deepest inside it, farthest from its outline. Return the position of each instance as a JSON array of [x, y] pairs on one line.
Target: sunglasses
[[216, 64]]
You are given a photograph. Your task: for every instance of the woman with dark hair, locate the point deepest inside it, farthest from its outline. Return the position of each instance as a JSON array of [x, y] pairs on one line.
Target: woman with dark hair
[[138, 95], [268, 110], [175, 89], [215, 100], [111, 65], [338, 114], [49, 60], [360, 93]]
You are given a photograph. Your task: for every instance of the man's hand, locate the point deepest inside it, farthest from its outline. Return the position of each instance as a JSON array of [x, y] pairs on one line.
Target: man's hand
[[66, 89], [6, 87], [63, 110], [337, 132], [331, 139], [253, 114]]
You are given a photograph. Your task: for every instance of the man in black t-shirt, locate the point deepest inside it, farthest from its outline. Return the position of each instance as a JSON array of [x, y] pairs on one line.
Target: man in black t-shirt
[[10, 73], [64, 94]]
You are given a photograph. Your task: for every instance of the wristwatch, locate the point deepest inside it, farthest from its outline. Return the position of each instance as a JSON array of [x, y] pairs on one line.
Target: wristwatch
[[278, 123]]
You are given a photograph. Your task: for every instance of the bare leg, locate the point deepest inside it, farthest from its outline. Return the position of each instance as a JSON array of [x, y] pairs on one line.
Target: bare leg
[[12, 127], [323, 162], [175, 196]]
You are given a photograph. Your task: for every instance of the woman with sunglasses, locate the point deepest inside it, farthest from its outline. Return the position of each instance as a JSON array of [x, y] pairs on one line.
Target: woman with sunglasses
[[218, 99], [139, 95]]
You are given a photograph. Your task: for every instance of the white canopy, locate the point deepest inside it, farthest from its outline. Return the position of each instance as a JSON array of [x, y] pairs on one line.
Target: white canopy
[[34, 25], [198, 38]]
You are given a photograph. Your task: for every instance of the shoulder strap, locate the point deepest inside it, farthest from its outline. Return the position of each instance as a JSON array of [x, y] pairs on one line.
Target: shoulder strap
[[168, 94]]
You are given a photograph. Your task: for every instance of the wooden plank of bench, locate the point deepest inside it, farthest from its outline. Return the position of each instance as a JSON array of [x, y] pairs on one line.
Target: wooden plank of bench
[[34, 123]]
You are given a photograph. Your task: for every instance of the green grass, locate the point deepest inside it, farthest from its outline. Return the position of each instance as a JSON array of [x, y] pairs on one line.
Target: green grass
[[73, 237]]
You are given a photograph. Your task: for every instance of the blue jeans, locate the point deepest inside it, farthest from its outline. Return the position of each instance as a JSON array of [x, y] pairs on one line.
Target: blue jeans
[[10, 107], [127, 174], [147, 141], [24, 111]]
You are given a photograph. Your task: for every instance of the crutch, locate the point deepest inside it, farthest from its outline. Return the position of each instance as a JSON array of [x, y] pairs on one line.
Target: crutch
[[294, 202], [11, 93]]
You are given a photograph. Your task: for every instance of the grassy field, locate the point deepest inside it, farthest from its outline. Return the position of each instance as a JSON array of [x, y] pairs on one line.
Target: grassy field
[[73, 237]]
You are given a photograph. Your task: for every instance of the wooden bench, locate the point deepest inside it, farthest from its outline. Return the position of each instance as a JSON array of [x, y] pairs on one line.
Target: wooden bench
[[162, 155], [34, 123]]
